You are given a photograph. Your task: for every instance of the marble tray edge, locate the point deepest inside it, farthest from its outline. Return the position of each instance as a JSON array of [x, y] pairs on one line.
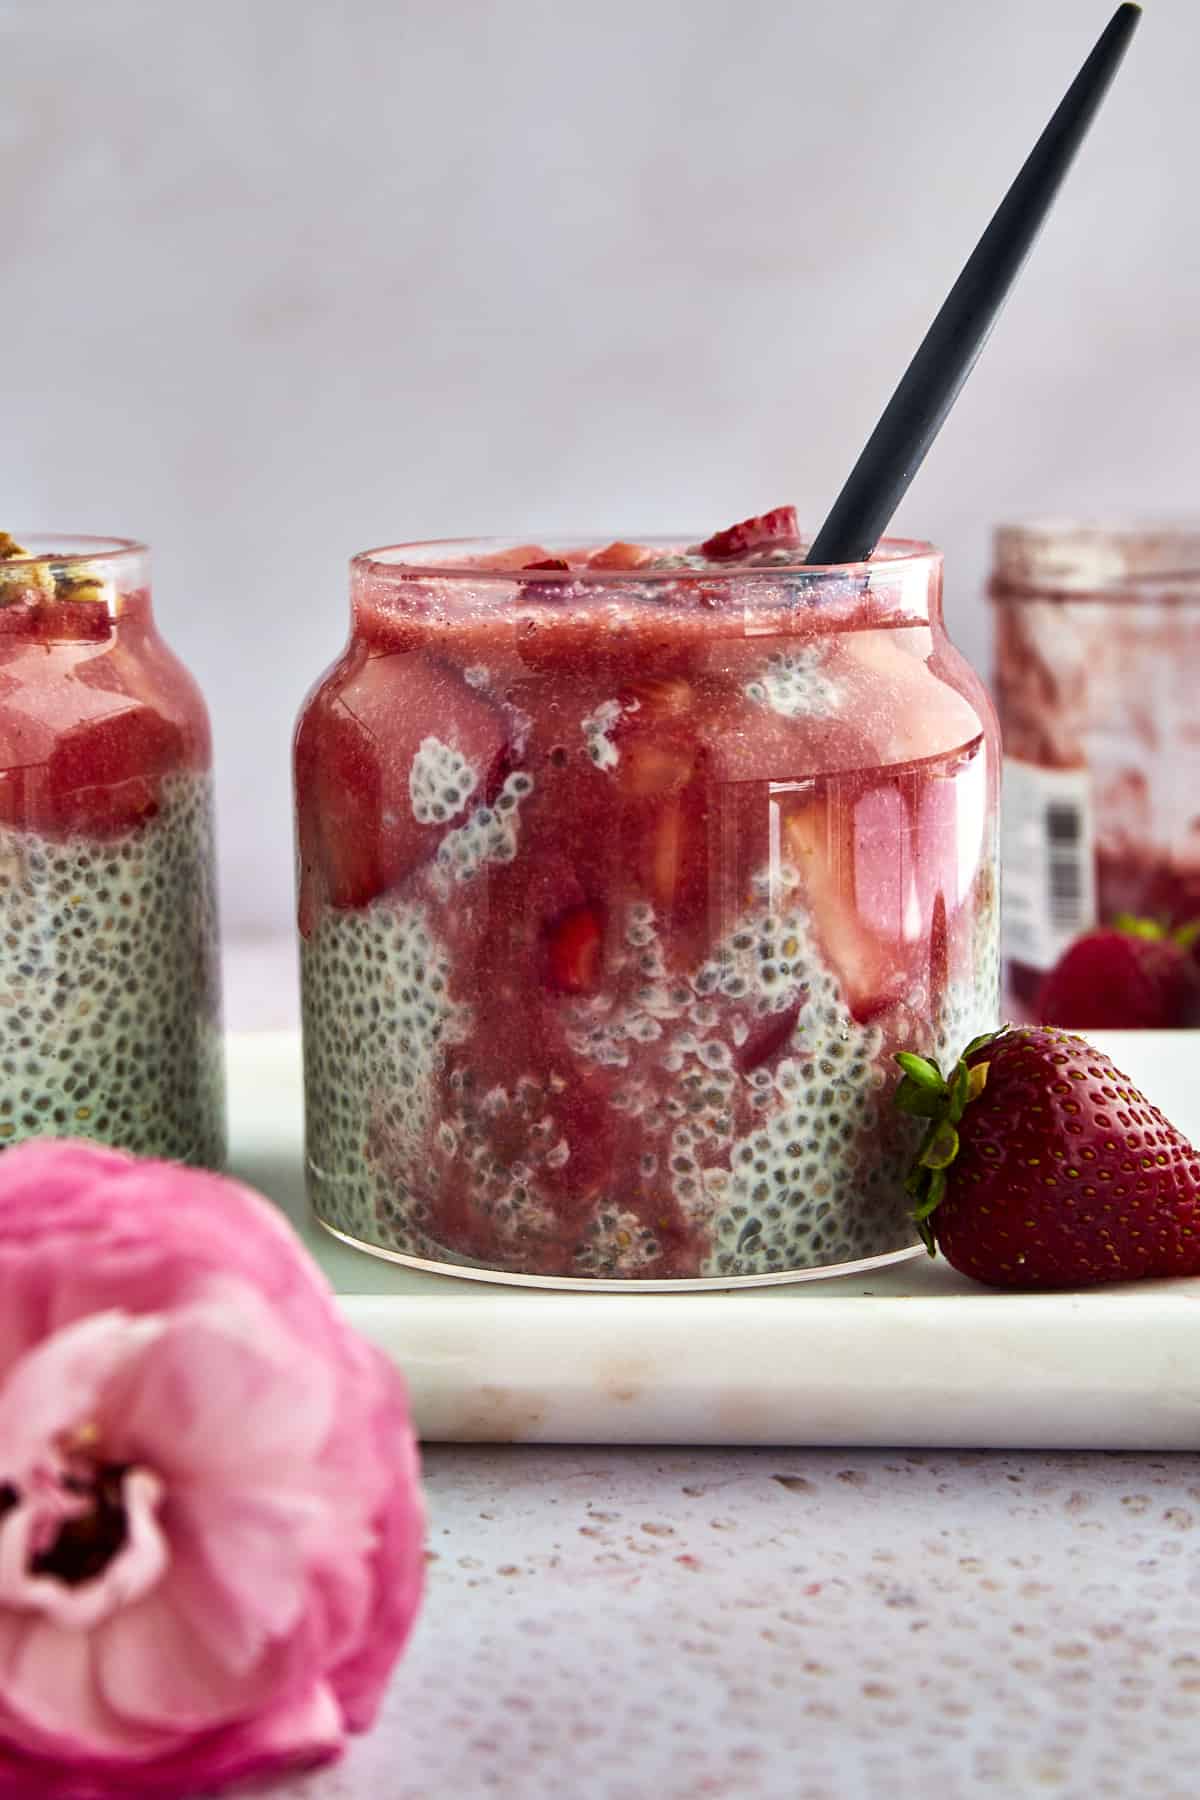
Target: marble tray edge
[[818, 1364]]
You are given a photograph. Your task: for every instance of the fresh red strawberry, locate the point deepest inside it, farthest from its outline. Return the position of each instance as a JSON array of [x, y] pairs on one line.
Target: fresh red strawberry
[[777, 527], [1044, 1167], [558, 563], [1132, 976]]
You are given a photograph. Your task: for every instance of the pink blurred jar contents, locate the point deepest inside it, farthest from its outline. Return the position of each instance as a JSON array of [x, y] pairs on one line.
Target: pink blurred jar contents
[[1097, 660], [624, 871], [110, 1005]]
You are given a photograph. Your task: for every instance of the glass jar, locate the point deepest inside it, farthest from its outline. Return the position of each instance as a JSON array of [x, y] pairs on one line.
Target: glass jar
[[110, 1005], [1097, 668], [621, 881]]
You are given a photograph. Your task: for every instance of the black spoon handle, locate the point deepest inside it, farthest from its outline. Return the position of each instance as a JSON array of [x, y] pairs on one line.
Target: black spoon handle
[[930, 385]]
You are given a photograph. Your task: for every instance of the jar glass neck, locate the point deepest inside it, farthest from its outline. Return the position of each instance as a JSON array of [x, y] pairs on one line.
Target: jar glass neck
[[74, 590], [707, 603], [1067, 557]]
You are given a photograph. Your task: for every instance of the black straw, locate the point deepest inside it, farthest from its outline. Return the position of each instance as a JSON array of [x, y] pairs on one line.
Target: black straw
[[914, 414]]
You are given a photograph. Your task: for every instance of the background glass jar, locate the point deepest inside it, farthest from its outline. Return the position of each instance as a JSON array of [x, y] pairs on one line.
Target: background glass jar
[[110, 1005], [619, 887], [1097, 673]]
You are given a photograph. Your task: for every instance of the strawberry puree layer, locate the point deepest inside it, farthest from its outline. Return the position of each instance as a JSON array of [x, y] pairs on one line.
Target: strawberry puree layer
[[95, 713]]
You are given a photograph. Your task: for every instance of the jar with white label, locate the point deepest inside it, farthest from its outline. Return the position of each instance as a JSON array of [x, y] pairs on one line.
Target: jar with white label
[[1097, 683]]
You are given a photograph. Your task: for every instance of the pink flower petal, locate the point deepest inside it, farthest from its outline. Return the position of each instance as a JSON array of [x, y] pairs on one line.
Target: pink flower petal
[[225, 1357], [156, 1674], [36, 1183], [80, 1606], [58, 1386], [241, 1572], [302, 1732], [47, 1677], [398, 1564], [298, 1733]]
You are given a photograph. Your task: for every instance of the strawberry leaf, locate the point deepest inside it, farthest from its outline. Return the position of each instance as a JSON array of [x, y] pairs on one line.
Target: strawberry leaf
[[1132, 926], [933, 1199], [923, 1092], [924, 1073], [977, 1081], [940, 1149], [919, 1102], [960, 1093]]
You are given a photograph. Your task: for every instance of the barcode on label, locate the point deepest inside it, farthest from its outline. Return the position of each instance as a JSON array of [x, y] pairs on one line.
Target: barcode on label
[[1064, 865], [1049, 861]]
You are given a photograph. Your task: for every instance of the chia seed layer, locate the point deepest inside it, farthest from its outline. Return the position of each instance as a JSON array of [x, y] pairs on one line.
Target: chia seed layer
[[795, 685], [792, 1162], [377, 1018], [110, 1014]]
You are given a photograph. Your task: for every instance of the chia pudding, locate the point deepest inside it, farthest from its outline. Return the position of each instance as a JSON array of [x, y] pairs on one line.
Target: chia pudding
[[623, 875], [110, 1014]]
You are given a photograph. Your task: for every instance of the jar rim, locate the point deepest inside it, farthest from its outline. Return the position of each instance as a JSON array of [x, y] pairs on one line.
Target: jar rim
[[426, 559], [1090, 556], [76, 547]]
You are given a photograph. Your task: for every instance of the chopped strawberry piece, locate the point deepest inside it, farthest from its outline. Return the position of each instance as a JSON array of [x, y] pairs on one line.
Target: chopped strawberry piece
[[768, 1038], [819, 840], [358, 831], [521, 556], [573, 952], [547, 562], [106, 779], [620, 555], [657, 736], [101, 775], [664, 696], [778, 527], [651, 769], [664, 862]]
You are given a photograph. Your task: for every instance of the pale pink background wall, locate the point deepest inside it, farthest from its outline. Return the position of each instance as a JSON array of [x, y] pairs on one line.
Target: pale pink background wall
[[281, 279]]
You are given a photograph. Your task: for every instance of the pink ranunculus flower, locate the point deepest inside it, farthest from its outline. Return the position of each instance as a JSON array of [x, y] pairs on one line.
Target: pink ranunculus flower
[[211, 1532]]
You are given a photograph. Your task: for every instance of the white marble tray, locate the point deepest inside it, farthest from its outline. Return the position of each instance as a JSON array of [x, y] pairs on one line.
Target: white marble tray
[[910, 1355]]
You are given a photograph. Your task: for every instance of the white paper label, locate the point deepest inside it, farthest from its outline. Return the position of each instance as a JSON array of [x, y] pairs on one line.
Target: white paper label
[[1048, 860]]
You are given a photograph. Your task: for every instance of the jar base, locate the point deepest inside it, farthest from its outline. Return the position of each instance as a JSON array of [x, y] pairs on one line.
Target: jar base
[[584, 1284]]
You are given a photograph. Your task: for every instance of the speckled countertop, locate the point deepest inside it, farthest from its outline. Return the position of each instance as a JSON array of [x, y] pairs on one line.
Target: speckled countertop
[[618, 1624], [634, 1625]]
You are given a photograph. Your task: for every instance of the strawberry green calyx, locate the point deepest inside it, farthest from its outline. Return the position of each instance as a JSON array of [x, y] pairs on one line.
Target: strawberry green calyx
[[925, 1093], [1152, 931]]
